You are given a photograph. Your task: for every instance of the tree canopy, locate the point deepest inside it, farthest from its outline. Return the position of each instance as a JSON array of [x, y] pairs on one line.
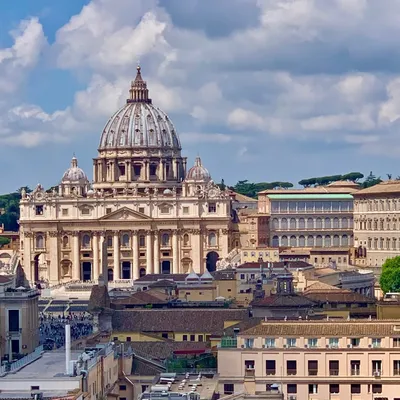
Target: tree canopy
[[371, 180], [4, 241], [325, 180], [251, 189], [390, 276]]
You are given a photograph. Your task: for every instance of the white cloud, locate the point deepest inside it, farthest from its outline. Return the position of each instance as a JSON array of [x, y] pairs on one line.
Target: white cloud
[[241, 118]]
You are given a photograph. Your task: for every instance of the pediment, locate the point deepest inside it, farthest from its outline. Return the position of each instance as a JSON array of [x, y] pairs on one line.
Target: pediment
[[126, 214]]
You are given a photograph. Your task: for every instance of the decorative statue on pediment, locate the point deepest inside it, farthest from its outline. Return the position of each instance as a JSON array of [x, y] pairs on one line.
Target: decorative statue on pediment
[[135, 190], [155, 191], [126, 191], [54, 192], [101, 192], [114, 192], [146, 191], [23, 193], [174, 191], [74, 192]]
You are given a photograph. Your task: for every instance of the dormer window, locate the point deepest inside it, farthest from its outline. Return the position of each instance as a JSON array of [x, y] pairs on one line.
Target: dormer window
[[39, 210], [212, 207]]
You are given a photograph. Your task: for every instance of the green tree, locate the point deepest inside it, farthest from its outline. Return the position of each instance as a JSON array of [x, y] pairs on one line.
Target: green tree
[[4, 241], [353, 176], [390, 276], [371, 180]]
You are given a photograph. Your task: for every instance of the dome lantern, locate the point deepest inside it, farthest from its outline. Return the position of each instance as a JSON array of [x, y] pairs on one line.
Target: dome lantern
[[138, 91]]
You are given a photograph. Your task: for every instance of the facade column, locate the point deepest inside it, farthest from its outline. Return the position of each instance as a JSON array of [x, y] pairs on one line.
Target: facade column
[[175, 252], [135, 255], [149, 252], [95, 249], [27, 261], [128, 167], [197, 246], [76, 268], [224, 244], [51, 242], [157, 268], [117, 266], [103, 265]]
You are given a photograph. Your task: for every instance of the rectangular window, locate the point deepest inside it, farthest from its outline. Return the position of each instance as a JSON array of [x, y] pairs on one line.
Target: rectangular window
[[108, 210], [35, 387], [229, 388], [142, 241], [312, 388], [334, 342], [376, 367], [334, 367], [355, 342], [396, 367], [15, 346], [376, 342], [355, 367], [291, 342], [249, 343], [396, 342], [355, 388], [13, 320], [312, 342], [164, 335], [184, 338], [121, 169], [39, 210], [192, 338], [242, 276], [334, 388], [122, 387], [65, 212], [109, 241], [115, 338], [164, 210], [128, 339], [270, 366], [376, 388], [212, 207], [312, 367], [269, 342], [141, 210], [292, 388], [185, 210], [249, 364], [291, 367], [85, 211], [201, 338]]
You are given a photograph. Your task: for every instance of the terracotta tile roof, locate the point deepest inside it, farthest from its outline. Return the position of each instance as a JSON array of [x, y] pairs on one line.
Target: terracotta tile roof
[[321, 287], [383, 188], [278, 264], [241, 198], [334, 187], [224, 275], [176, 320], [143, 298], [341, 296], [99, 298], [157, 277], [162, 283], [286, 300], [364, 328]]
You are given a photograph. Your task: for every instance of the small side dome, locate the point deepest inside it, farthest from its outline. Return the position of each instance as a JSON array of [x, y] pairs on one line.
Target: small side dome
[[90, 193], [74, 174], [198, 173], [167, 192]]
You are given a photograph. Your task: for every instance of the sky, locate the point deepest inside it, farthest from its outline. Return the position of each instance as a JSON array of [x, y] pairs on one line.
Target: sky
[[264, 90]]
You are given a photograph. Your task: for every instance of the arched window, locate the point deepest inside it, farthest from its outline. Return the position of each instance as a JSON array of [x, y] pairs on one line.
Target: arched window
[[212, 239], [293, 241], [292, 223], [125, 240], [283, 223], [345, 240], [336, 242], [310, 241], [302, 223], [327, 223], [39, 242], [65, 242], [302, 241], [275, 223], [86, 241], [164, 239], [310, 223], [319, 223], [318, 241], [336, 223], [186, 239], [345, 223], [284, 241], [275, 241], [327, 241]]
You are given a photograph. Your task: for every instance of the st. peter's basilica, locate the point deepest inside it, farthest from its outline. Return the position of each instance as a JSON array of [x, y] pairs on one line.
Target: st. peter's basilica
[[143, 211]]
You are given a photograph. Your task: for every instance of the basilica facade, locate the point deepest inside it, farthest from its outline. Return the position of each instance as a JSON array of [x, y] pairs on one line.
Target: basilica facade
[[143, 213]]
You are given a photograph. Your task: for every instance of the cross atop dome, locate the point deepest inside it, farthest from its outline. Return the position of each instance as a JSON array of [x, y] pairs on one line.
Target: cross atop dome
[[138, 92]]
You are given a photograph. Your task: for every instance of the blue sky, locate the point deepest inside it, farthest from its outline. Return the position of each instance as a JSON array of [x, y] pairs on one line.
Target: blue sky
[[263, 90]]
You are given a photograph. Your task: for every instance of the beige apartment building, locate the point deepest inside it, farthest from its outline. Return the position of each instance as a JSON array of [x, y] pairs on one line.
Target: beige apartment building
[[376, 224], [311, 217], [316, 360], [19, 321]]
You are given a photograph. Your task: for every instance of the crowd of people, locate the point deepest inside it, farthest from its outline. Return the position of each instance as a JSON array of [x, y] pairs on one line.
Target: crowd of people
[[52, 328]]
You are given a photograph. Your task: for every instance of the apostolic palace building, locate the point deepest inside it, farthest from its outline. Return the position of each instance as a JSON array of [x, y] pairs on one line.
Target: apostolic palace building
[[144, 211]]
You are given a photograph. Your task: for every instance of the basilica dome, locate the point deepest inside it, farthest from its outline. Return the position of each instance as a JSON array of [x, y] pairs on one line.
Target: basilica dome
[[139, 124], [74, 173], [198, 172]]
